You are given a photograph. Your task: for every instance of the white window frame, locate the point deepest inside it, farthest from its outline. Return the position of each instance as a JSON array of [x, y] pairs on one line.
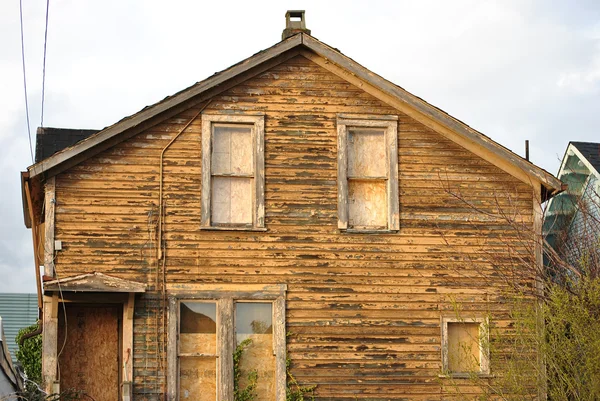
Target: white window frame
[[484, 352], [225, 297], [389, 123], [257, 121]]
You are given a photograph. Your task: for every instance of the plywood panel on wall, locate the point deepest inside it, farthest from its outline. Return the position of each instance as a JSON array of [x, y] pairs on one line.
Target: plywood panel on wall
[[89, 346]]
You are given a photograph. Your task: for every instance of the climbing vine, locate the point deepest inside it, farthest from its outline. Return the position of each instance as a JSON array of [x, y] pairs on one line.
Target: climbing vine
[[247, 393], [293, 392]]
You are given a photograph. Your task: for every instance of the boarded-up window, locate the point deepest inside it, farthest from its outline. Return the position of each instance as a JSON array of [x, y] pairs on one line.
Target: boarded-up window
[[197, 351], [254, 337], [232, 171], [208, 332], [367, 173], [232, 175], [465, 346], [367, 179]]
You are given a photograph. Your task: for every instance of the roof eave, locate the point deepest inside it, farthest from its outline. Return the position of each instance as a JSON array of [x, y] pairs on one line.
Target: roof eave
[[107, 133], [52, 165]]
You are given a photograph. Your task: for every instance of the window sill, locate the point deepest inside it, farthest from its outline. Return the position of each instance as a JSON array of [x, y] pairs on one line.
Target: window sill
[[261, 229], [472, 375], [356, 231]]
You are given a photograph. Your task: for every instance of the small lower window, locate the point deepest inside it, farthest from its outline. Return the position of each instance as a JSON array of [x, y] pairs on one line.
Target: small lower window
[[464, 346]]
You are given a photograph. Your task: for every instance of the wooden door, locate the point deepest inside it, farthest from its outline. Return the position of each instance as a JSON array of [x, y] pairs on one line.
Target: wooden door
[[89, 360]]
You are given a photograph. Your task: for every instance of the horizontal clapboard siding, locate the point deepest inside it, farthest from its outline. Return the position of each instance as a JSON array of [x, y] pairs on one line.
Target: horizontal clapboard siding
[[363, 309]]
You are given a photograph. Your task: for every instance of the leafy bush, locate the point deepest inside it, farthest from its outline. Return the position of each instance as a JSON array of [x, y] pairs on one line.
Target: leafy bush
[[29, 355]]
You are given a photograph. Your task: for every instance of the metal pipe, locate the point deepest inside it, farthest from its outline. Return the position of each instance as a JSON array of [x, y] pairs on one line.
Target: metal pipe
[[160, 179], [34, 333]]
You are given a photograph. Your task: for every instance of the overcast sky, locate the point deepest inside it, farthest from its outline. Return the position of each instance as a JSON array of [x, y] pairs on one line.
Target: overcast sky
[[513, 70]]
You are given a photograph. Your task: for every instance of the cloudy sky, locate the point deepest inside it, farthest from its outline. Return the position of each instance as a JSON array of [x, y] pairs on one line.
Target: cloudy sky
[[513, 70]]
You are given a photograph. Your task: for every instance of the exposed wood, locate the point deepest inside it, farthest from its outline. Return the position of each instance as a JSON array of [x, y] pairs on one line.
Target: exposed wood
[[35, 239], [404, 101], [226, 347], [172, 350], [50, 201], [149, 117], [127, 349], [232, 182], [280, 351], [363, 308], [89, 361], [429, 111], [94, 282], [465, 346], [367, 196], [50, 341]]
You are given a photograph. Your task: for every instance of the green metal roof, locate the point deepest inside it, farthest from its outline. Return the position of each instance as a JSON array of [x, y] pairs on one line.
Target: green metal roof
[[17, 311]]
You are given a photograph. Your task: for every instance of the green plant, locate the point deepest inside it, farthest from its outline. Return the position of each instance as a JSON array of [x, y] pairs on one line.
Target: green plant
[[248, 393], [294, 391], [30, 356]]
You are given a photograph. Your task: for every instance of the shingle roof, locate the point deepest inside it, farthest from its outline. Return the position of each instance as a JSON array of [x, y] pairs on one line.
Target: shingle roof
[[51, 140], [591, 151]]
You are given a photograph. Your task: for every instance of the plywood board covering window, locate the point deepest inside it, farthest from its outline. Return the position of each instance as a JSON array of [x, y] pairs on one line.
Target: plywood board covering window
[[206, 328], [254, 327], [232, 171], [198, 351], [367, 173], [465, 346]]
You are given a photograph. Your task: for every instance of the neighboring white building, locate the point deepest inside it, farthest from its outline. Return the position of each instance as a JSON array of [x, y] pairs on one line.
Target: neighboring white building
[[572, 221]]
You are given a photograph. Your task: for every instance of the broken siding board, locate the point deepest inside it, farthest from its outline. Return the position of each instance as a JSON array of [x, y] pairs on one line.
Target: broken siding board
[[339, 284]]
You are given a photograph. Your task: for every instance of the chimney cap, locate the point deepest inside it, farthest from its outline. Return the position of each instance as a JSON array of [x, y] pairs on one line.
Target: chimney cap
[[295, 22]]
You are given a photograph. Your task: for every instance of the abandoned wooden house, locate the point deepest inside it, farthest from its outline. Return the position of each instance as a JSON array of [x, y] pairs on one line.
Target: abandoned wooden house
[[296, 200]]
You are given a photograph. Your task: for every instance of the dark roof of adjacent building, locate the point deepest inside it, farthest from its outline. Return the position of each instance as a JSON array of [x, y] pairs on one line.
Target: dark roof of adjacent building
[[591, 151], [51, 140]]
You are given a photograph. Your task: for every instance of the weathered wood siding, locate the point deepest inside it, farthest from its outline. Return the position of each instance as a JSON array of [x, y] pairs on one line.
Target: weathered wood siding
[[364, 309]]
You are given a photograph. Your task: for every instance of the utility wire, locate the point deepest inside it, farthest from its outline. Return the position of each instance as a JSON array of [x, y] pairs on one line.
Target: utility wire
[[44, 65], [25, 79]]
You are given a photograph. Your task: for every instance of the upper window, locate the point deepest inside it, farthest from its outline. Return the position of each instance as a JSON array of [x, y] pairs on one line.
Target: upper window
[[232, 171], [368, 173], [464, 346]]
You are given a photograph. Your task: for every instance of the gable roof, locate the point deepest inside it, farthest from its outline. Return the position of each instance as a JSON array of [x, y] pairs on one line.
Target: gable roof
[[591, 152], [201, 91]]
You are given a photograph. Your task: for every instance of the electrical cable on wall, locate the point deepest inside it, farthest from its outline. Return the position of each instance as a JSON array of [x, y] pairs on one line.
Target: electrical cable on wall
[[44, 64], [25, 80]]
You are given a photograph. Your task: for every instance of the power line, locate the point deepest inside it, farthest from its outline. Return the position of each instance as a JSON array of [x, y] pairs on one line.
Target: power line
[[25, 79], [44, 65]]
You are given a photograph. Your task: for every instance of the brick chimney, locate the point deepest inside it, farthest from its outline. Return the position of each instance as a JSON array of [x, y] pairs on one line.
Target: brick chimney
[[294, 23]]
